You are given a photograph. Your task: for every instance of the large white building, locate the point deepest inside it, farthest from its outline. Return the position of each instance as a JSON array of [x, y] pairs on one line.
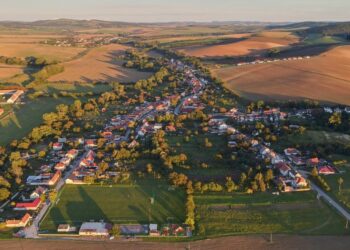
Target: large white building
[[94, 229]]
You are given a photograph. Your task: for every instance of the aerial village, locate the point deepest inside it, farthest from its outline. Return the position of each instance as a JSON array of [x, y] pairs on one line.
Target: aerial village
[[68, 165]]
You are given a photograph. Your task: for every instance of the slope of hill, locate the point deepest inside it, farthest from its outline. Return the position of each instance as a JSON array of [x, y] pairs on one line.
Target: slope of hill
[[250, 45], [99, 65], [325, 78]]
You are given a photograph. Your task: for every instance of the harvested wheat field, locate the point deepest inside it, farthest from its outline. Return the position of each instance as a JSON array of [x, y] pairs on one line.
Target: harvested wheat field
[[251, 45], [99, 64], [34, 38], [324, 78], [39, 50], [191, 38], [7, 71]]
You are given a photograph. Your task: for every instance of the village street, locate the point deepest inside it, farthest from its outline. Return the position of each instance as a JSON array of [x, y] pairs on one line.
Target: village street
[[32, 230]]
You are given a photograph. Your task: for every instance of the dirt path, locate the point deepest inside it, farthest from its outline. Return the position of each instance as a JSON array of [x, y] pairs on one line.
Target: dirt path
[[237, 242]]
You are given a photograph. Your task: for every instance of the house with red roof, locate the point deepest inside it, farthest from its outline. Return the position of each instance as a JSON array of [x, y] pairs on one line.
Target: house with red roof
[[291, 151], [60, 166], [19, 222], [57, 146], [313, 161], [44, 179], [72, 154], [299, 182], [284, 168], [90, 143], [25, 206], [326, 170]]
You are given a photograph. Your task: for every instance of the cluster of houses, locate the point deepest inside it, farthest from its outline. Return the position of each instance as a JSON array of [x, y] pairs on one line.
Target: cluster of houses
[[273, 60], [31, 200], [336, 110], [86, 42], [269, 115], [87, 167], [12, 95], [103, 229], [323, 166], [191, 104], [289, 179]]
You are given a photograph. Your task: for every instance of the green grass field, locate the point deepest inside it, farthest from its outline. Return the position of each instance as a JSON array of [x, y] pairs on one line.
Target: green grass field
[[117, 204], [197, 153], [344, 195], [315, 39], [27, 116], [298, 213], [312, 137]]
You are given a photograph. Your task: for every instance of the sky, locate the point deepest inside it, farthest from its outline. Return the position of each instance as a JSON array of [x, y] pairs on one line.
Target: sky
[[177, 10]]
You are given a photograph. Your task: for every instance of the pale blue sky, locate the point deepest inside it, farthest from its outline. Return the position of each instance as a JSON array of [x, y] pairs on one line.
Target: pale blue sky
[[177, 10]]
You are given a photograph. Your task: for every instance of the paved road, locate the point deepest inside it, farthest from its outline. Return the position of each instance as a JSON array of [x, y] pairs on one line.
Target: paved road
[[327, 198], [32, 231]]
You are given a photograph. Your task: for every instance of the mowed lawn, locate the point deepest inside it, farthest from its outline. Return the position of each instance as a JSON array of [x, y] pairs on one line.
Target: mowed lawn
[[116, 204], [298, 213]]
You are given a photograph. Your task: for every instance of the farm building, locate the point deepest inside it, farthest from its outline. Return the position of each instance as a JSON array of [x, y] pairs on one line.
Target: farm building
[[19, 222], [34, 205], [94, 229]]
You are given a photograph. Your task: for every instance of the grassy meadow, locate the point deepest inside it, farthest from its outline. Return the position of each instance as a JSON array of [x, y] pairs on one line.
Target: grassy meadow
[[297, 213], [117, 204]]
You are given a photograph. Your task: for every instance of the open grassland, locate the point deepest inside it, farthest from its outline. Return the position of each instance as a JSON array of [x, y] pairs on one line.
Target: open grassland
[[24, 117], [299, 213], [324, 78], [117, 204], [7, 71], [251, 45], [312, 137], [99, 65], [48, 52], [73, 88]]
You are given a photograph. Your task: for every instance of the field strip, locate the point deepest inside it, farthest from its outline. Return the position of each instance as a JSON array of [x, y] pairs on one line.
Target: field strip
[[313, 72]]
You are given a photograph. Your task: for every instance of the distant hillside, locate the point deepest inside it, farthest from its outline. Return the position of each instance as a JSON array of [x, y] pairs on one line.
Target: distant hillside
[[62, 24], [301, 25], [331, 29]]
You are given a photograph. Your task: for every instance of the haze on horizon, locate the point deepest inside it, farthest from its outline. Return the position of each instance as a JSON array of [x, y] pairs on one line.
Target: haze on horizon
[[181, 10]]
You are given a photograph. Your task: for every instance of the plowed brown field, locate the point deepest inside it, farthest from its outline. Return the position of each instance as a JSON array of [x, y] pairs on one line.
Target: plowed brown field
[[325, 78], [99, 64]]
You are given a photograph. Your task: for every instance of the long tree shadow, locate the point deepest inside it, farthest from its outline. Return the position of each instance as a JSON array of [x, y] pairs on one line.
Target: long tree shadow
[[54, 218], [84, 211]]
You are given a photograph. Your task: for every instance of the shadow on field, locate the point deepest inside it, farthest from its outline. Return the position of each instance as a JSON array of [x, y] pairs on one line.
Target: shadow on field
[[85, 211]]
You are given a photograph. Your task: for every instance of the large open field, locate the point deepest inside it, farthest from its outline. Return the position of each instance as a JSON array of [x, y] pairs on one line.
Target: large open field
[[251, 45], [170, 39], [299, 213], [325, 78], [7, 71], [118, 204], [25, 117], [39, 50], [99, 64]]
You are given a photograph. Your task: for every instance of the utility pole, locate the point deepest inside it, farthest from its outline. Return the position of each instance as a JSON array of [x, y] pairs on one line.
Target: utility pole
[[271, 241], [347, 224]]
